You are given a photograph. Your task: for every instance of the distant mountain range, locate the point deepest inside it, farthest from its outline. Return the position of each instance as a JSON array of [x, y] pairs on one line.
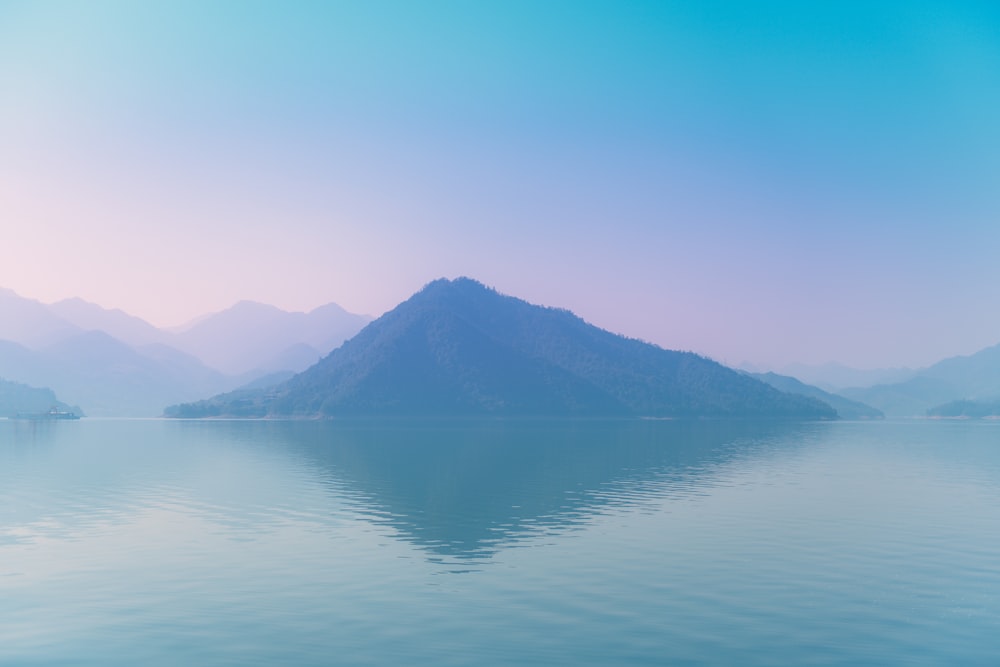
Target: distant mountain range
[[845, 407], [966, 409], [254, 337], [974, 377], [113, 364], [833, 377], [456, 347], [962, 383], [459, 348], [29, 322]]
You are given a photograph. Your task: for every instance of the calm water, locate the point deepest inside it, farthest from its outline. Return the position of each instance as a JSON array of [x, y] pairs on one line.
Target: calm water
[[535, 543]]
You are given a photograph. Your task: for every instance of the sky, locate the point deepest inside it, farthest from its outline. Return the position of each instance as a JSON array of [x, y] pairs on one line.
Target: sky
[[764, 182]]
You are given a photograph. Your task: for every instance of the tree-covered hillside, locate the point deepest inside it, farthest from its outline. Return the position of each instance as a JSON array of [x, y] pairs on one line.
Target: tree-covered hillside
[[16, 397], [459, 348]]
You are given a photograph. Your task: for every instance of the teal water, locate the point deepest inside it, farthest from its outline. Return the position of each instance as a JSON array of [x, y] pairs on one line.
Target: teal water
[[499, 543]]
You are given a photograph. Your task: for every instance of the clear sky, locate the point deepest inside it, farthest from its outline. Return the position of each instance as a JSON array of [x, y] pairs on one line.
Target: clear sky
[[756, 181]]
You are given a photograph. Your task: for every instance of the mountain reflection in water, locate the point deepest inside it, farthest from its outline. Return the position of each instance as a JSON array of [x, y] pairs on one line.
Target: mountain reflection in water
[[463, 489], [128, 542]]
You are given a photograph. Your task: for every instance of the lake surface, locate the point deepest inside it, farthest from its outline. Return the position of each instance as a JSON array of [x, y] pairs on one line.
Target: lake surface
[[499, 543]]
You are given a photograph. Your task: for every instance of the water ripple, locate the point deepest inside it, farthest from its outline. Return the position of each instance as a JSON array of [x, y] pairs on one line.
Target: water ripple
[[213, 543]]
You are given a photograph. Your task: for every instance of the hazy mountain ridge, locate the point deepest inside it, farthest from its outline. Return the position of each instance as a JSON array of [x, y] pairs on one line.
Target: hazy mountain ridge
[[833, 377], [110, 378], [115, 364], [845, 407], [457, 347], [966, 409], [978, 374], [974, 377], [902, 392], [31, 323], [129, 329], [255, 337], [905, 399], [253, 340]]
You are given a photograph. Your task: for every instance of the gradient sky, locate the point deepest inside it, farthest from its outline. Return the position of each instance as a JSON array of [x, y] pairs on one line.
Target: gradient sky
[[756, 181]]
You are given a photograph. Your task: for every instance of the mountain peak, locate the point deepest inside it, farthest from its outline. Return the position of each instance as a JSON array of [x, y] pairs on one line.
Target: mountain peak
[[250, 336], [457, 347], [248, 305], [443, 287]]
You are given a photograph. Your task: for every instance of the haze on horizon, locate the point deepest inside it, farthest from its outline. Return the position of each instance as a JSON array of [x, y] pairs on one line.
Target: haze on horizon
[[765, 182]]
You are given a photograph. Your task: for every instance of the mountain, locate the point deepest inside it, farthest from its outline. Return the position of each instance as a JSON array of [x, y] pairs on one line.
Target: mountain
[[254, 337], [973, 377], [108, 378], [905, 399], [30, 323], [965, 409], [459, 348], [87, 316], [18, 363], [55, 346], [115, 364], [267, 381], [833, 376], [16, 397], [296, 358], [845, 407]]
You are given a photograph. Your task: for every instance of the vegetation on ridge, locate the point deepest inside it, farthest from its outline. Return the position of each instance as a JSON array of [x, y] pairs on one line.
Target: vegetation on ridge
[[16, 397], [459, 348]]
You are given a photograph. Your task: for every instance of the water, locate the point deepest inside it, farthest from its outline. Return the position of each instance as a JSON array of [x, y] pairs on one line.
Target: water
[[499, 543]]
